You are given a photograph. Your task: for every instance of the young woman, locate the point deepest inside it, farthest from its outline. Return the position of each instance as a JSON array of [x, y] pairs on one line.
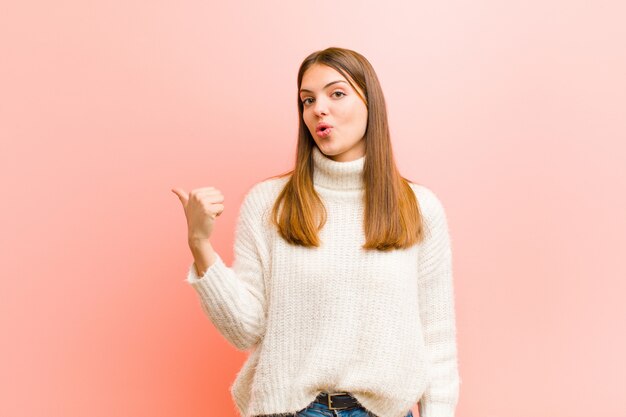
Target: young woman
[[341, 285]]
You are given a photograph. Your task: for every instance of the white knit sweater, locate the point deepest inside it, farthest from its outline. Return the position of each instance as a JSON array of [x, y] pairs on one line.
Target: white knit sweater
[[337, 318]]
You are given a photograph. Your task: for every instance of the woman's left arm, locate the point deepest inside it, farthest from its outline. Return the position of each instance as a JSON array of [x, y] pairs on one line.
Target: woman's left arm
[[437, 311]]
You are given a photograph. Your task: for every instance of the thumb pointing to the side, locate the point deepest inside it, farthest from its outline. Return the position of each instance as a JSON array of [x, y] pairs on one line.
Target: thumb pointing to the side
[[182, 195]]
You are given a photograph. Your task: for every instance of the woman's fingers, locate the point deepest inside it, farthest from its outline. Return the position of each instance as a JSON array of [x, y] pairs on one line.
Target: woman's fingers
[[182, 195], [202, 206]]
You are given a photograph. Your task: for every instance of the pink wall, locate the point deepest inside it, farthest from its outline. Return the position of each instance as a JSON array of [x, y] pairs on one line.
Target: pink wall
[[513, 112]]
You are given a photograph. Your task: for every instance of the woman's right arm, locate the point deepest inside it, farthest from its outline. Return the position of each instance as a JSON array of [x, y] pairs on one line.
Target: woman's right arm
[[233, 298], [202, 206], [203, 254]]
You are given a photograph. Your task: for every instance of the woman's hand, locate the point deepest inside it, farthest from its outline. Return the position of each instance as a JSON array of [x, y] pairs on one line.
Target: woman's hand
[[201, 206]]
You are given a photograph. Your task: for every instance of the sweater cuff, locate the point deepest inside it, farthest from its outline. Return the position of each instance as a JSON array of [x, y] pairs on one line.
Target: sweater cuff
[[193, 277], [433, 409]]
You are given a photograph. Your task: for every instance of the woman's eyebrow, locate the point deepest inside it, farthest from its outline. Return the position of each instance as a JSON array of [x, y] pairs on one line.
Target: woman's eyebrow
[[330, 83]]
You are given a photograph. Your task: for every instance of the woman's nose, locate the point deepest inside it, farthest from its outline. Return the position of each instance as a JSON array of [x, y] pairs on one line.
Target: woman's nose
[[320, 107]]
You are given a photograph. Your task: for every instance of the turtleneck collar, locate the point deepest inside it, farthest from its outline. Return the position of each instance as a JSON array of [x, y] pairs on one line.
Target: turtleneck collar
[[337, 175]]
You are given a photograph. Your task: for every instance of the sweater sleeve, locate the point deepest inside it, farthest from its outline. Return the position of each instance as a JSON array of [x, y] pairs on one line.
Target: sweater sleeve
[[437, 312], [233, 298]]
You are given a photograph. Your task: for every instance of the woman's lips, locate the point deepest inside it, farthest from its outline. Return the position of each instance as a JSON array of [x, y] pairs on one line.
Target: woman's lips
[[324, 133]]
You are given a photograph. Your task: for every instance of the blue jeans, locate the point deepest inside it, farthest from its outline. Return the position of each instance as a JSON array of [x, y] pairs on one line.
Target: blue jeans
[[321, 410]]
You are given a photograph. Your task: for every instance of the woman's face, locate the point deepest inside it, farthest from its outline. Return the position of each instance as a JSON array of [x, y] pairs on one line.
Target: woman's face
[[328, 98]]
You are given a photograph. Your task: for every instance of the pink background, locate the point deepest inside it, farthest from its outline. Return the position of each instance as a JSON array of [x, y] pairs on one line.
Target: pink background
[[512, 112]]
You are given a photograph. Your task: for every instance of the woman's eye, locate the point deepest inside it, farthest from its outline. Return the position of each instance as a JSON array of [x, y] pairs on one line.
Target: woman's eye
[[307, 100]]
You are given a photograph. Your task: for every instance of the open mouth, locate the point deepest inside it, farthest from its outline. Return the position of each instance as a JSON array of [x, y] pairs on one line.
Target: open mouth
[[323, 131]]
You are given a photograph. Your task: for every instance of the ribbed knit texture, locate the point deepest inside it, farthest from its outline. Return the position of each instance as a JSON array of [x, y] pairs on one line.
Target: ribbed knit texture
[[337, 318]]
